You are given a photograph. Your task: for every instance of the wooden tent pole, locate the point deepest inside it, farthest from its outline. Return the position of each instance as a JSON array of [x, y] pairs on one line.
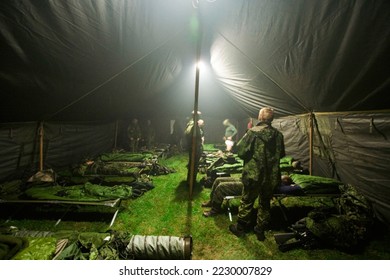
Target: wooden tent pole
[[311, 129], [41, 147], [116, 134], [194, 146]]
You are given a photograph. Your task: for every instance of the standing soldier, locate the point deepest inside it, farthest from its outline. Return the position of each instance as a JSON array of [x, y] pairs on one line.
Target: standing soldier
[[198, 145], [134, 135], [230, 132], [149, 135], [261, 149], [201, 129]]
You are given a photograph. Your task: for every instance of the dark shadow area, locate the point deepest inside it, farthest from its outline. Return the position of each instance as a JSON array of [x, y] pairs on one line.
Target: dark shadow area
[[379, 234], [56, 212], [188, 227], [182, 192], [283, 217]]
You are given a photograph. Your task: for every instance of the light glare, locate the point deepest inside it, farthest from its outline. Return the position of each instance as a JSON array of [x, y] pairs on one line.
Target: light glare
[[200, 65]]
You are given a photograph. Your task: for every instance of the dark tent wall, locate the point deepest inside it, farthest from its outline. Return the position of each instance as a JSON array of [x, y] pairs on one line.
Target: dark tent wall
[[27, 147], [83, 68], [358, 154], [18, 148], [352, 147]]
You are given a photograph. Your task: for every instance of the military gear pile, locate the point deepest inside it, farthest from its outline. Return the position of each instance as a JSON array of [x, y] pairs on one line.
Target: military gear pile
[[346, 227], [349, 227]]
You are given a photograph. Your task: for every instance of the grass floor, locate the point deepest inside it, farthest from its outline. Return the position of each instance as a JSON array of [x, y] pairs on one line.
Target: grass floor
[[167, 210]]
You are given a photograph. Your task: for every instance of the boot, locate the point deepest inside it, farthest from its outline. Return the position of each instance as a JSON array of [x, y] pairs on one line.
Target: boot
[[215, 210], [211, 213], [206, 204], [259, 234], [238, 229]]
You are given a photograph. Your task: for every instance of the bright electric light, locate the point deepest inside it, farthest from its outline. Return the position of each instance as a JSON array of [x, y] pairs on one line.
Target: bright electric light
[[200, 65]]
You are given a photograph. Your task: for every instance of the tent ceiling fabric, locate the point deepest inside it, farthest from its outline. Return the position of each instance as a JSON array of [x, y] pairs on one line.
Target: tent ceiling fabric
[[110, 59]]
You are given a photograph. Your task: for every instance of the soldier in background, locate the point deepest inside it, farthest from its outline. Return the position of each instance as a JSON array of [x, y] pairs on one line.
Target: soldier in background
[[201, 129], [134, 135], [230, 132], [149, 135]]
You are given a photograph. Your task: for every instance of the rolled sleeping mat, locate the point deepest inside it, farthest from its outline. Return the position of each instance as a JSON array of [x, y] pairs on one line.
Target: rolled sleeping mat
[[151, 247]]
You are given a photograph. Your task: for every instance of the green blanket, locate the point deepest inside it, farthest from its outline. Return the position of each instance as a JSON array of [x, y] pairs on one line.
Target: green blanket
[[129, 157], [87, 192], [316, 184]]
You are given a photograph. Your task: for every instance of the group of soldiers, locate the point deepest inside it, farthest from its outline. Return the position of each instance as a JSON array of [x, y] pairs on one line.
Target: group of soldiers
[[140, 136], [261, 149]]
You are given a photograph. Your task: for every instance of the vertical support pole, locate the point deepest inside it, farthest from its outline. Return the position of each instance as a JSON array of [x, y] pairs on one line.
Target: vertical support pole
[[311, 130], [116, 135], [41, 146], [192, 164], [194, 147]]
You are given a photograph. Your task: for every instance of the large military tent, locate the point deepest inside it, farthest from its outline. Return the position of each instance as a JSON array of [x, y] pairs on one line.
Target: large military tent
[[74, 71]]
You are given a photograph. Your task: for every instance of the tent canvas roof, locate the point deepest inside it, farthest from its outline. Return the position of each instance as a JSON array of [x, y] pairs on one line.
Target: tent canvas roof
[[88, 60]]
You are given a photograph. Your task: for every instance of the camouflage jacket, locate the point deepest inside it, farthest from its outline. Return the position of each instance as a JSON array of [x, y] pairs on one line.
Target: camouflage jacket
[[134, 131], [188, 132], [261, 148]]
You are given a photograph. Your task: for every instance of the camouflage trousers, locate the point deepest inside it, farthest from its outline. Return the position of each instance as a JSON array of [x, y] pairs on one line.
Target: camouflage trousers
[[254, 190], [225, 186]]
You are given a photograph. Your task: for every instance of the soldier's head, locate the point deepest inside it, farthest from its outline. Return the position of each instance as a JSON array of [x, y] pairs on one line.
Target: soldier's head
[[286, 180], [200, 123], [226, 122], [266, 115]]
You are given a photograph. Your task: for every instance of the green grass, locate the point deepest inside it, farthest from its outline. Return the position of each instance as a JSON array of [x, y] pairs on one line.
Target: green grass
[[167, 210]]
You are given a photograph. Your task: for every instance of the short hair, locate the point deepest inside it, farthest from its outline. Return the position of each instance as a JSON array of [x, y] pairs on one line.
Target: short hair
[[266, 115], [286, 180]]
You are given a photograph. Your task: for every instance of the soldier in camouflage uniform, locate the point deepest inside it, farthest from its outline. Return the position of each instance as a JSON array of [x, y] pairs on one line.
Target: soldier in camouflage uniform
[[222, 187], [198, 145], [134, 135], [231, 186], [230, 133], [148, 135], [261, 148]]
